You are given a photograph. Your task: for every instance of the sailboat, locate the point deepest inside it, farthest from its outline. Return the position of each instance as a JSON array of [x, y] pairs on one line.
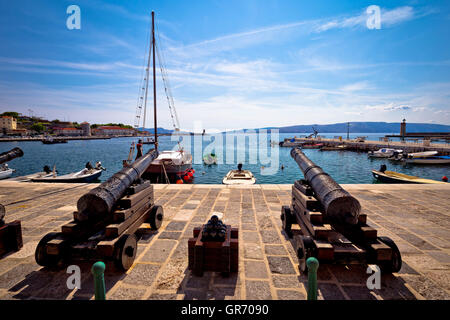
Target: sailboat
[[171, 166]]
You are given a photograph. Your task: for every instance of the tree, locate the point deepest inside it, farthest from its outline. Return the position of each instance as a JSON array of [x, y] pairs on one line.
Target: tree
[[11, 114], [38, 127]]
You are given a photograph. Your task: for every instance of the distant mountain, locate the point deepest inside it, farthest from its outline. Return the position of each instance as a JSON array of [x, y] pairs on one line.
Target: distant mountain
[[152, 130], [364, 127]]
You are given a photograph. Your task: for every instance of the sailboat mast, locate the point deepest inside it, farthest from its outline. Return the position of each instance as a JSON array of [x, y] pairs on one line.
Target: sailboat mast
[[147, 73], [154, 79]]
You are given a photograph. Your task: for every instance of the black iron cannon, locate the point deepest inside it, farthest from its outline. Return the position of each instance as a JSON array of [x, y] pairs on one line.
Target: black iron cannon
[[332, 227], [102, 199], [10, 155], [339, 206]]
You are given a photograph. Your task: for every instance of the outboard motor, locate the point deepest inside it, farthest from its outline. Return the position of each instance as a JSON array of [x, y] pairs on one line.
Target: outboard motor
[[383, 168]]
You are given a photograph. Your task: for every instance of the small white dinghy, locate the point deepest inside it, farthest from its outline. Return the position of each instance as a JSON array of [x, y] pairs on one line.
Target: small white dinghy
[[384, 153], [235, 177], [6, 173]]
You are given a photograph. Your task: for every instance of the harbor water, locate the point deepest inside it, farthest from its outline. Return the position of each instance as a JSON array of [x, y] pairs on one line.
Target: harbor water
[[264, 160]]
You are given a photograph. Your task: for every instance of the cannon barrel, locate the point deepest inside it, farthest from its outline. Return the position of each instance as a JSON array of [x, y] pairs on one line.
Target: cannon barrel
[[339, 206], [101, 200], [11, 154]]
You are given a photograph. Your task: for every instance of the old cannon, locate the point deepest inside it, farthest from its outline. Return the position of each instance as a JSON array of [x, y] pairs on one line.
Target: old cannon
[[108, 221], [332, 227], [10, 155]]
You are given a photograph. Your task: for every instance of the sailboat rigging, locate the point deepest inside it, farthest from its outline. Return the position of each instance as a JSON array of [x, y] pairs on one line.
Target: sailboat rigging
[[170, 166]]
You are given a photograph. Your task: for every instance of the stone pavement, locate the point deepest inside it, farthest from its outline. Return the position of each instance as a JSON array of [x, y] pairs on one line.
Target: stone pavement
[[416, 217]]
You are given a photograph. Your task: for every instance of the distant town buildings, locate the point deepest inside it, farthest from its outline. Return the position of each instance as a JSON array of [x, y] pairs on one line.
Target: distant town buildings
[[14, 124]]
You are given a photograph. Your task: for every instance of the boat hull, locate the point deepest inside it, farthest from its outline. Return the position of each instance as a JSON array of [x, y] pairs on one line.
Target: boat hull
[[70, 178], [232, 179], [395, 177], [5, 174]]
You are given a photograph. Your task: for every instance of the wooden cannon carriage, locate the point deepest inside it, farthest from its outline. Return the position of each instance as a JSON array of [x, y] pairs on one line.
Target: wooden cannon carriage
[[106, 222], [332, 229], [10, 234]]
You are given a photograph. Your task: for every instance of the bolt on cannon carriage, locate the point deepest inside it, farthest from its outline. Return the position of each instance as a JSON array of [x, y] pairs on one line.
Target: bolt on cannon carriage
[[332, 227], [107, 221]]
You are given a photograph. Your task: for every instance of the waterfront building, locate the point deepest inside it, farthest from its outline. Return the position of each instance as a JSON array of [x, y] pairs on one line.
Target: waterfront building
[[8, 123], [86, 127], [112, 131], [72, 132]]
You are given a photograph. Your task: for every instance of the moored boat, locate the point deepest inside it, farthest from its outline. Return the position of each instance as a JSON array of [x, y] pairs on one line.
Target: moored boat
[[5, 173], [88, 174], [341, 147], [312, 146], [396, 177], [171, 166], [53, 141], [384, 153], [429, 160], [82, 176], [239, 177], [148, 141]]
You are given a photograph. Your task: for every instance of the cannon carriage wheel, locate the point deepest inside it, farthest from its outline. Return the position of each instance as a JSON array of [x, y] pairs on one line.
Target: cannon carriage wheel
[[42, 257], [156, 217], [395, 264], [305, 248], [125, 251]]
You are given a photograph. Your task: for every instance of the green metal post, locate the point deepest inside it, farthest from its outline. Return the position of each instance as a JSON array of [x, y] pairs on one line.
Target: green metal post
[[98, 270], [312, 264]]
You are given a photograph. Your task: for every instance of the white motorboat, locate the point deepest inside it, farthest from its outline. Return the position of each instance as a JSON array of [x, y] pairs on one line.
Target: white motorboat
[[5, 173], [384, 153], [239, 177]]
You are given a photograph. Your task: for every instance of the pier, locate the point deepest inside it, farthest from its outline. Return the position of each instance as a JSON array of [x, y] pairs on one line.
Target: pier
[[409, 147], [416, 217]]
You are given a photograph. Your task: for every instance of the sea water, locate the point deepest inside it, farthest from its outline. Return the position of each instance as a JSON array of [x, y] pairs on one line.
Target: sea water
[[344, 166]]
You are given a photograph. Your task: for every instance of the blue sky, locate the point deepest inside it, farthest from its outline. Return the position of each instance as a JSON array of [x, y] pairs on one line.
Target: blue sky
[[231, 64]]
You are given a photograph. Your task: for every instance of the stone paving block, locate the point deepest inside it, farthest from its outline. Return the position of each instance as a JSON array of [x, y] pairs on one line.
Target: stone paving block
[[280, 265], [159, 251], [290, 295], [163, 296], [170, 235], [248, 227], [440, 256], [250, 236], [359, 292], [270, 236], [416, 241], [278, 250], [196, 282], [17, 274], [176, 226], [253, 251], [125, 293], [329, 291], [233, 280], [256, 270], [142, 274], [287, 281], [224, 293], [426, 287], [195, 294], [257, 290]]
